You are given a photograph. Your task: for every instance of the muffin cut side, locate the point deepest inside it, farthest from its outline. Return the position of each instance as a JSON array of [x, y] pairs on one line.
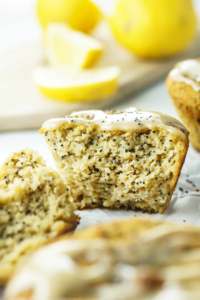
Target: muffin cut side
[[129, 169], [34, 208]]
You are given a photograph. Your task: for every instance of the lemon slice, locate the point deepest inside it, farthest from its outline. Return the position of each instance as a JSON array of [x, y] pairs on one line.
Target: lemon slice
[[67, 47], [74, 85]]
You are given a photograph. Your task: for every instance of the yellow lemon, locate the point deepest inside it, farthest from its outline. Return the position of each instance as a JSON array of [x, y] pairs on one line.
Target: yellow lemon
[[154, 28], [81, 15], [65, 84], [67, 47]]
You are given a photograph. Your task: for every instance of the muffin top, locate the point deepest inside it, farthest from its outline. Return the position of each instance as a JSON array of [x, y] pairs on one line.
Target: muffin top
[[187, 71], [131, 119]]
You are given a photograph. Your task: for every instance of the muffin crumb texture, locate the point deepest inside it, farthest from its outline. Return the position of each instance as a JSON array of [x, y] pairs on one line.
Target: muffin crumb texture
[[135, 170], [34, 208]]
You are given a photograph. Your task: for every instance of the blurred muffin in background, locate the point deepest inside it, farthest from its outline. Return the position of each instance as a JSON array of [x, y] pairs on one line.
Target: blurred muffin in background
[[183, 84]]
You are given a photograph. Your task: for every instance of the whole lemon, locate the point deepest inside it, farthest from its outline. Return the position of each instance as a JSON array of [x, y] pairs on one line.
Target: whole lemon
[[81, 15], [154, 28]]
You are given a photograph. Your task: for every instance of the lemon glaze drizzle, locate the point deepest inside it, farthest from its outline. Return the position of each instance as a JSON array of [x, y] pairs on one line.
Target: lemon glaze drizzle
[[131, 119], [188, 72]]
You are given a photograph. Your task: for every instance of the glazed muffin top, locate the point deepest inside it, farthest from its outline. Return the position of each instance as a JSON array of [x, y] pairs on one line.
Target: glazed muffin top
[[187, 71], [131, 119]]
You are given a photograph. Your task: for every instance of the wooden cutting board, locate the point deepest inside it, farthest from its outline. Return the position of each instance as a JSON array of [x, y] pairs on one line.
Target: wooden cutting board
[[23, 107]]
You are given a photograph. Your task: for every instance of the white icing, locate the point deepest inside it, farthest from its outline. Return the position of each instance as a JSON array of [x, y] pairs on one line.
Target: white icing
[[188, 72], [131, 119]]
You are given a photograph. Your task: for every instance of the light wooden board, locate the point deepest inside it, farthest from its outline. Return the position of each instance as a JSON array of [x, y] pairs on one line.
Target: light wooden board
[[23, 107]]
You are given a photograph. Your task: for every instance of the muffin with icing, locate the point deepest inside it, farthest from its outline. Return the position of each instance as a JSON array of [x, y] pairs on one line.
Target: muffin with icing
[[114, 159], [183, 84], [160, 260], [34, 208]]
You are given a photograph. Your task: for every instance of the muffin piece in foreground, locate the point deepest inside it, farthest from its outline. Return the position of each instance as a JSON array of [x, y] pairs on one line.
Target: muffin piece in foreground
[[183, 84], [34, 208], [128, 229], [129, 159], [159, 259]]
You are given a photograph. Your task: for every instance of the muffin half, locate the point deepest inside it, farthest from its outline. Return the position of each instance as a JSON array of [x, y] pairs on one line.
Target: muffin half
[[129, 159]]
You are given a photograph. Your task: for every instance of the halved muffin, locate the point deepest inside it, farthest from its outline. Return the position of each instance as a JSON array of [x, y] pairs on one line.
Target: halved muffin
[[129, 159]]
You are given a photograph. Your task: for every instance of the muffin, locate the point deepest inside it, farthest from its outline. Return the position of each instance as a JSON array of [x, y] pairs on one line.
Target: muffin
[[129, 159], [128, 229], [183, 84], [160, 260], [34, 208]]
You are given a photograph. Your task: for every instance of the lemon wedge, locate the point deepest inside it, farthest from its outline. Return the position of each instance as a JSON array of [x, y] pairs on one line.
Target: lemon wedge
[[67, 47], [65, 84]]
